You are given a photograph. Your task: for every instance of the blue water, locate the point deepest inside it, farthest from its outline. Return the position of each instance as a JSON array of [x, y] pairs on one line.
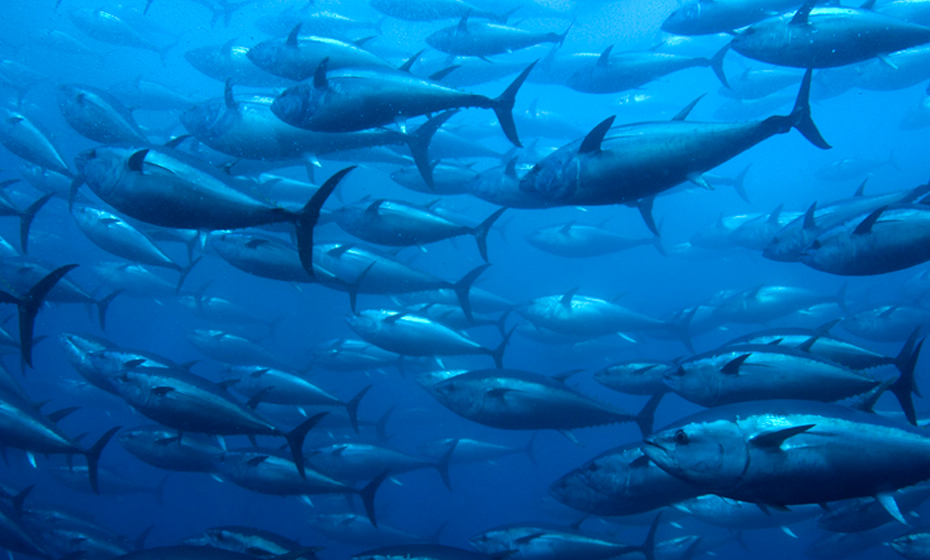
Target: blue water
[[859, 123]]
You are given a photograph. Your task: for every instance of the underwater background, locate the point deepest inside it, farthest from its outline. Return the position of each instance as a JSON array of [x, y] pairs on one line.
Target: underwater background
[[863, 123]]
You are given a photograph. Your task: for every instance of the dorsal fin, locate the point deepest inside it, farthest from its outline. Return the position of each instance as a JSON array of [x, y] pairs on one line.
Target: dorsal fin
[[566, 300], [809, 216], [228, 45], [563, 377], [868, 5], [292, 37], [228, 96], [135, 161], [319, 75], [800, 17], [865, 226], [372, 209], [405, 67], [440, 75], [511, 169], [226, 384], [861, 190], [604, 59], [462, 27], [773, 217], [592, 142], [176, 141], [567, 227], [683, 114]]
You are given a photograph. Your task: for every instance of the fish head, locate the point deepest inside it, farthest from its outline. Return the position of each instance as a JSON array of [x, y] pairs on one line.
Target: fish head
[[458, 396], [555, 177], [363, 323], [712, 455], [203, 119], [911, 545], [695, 380], [103, 169], [573, 491], [299, 104], [132, 388], [495, 541], [789, 246], [70, 95], [768, 36], [684, 19]]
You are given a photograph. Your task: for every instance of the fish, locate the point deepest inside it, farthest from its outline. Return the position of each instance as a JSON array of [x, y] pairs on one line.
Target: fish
[[745, 452], [333, 104], [887, 240], [484, 39], [412, 335], [864, 514], [913, 545], [432, 10], [232, 349], [364, 461], [28, 139], [150, 95], [826, 37], [230, 61], [790, 241], [189, 403], [630, 164], [115, 235], [573, 240], [620, 481], [519, 400], [396, 223], [587, 316], [635, 377], [251, 541], [531, 540], [247, 128], [752, 372], [280, 387], [163, 187], [762, 304], [298, 57], [98, 115], [112, 28], [269, 472], [697, 17], [24, 427], [738, 516], [885, 323], [613, 73], [163, 448]]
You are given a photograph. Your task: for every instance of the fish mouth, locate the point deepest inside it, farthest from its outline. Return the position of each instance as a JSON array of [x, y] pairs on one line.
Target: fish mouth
[[654, 451]]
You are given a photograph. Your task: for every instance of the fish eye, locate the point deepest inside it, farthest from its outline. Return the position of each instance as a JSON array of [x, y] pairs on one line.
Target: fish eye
[[816, 244], [681, 438]]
